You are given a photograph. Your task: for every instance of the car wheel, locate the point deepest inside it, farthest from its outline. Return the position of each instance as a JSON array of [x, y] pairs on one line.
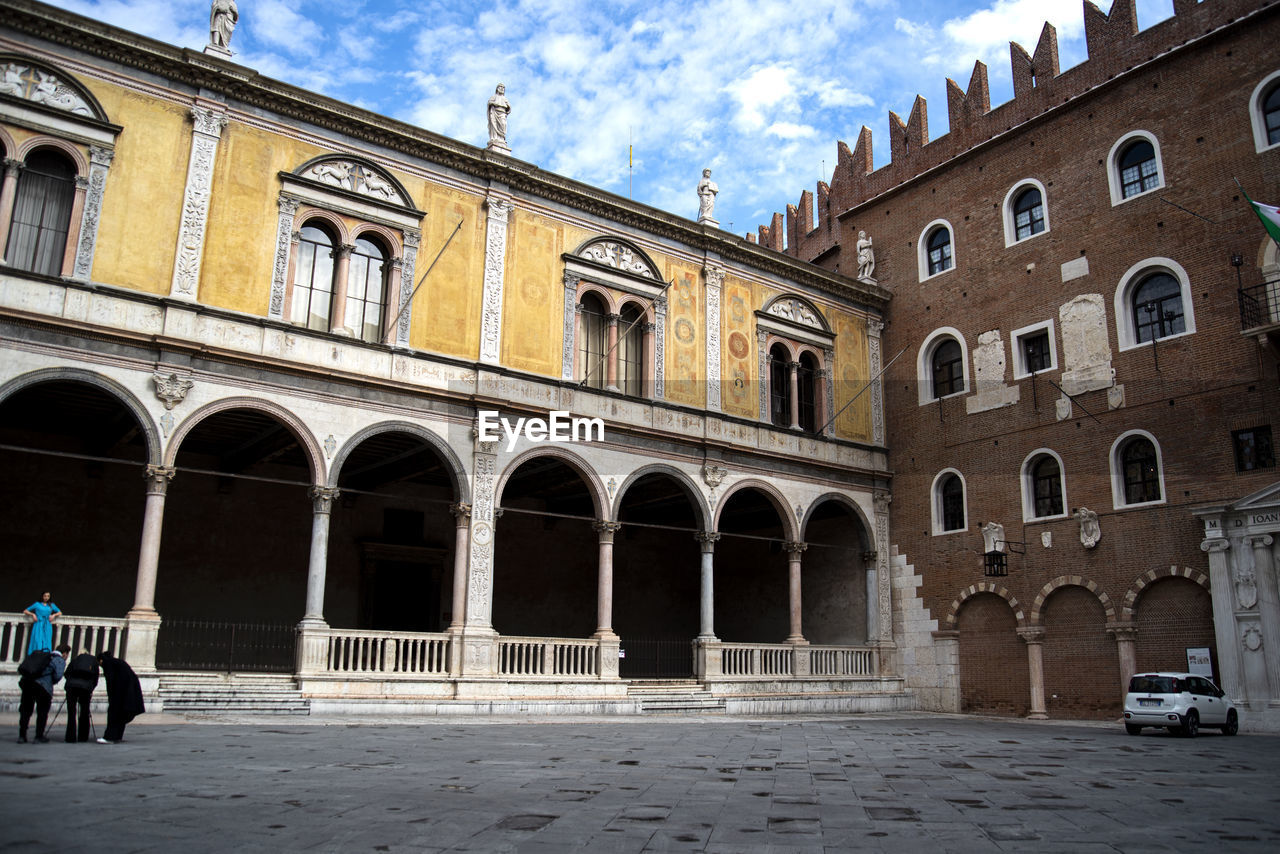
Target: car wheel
[[1191, 724], [1133, 729], [1232, 726]]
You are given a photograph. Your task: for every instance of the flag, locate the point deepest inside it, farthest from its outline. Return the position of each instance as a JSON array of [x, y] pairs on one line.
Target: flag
[[1270, 216]]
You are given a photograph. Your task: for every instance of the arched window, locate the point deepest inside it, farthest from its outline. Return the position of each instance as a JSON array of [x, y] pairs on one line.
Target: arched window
[[366, 290], [631, 350], [1138, 172], [313, 278], [1046, 487], [948, 368], [1264, 112], [1139, 466], [1157, 308], [1271, 115], [949, 512], [1028, 213], [939, 246], [595, 337], [807, 392], [779, 386], [42, 213]]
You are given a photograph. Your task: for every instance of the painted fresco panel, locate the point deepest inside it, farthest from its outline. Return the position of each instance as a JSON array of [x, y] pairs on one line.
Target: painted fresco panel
[[533, 301], [739, 392], [446, 309], [851, 375], [685, 332]]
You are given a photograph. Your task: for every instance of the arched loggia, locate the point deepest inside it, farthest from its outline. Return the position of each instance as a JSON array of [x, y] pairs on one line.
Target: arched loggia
[[752, 598], [835, 593]]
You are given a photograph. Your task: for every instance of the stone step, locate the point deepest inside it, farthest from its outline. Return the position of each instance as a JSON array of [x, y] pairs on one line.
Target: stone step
[[221, 693]]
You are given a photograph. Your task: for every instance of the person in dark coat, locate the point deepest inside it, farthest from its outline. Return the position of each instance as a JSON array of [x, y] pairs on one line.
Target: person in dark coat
[[80, 678], [124, 696], [37, 694]]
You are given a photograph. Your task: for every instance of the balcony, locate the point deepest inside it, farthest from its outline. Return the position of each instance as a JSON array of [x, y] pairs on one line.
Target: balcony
[[1260, 310]]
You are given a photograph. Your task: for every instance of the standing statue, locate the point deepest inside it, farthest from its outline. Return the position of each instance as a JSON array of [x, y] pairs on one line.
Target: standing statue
[[866, 256], [707, 191], [1090, 530], [499, 108], [222, 20]]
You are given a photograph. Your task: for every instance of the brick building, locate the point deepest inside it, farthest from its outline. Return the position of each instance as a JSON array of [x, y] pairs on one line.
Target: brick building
[[1088, 317]]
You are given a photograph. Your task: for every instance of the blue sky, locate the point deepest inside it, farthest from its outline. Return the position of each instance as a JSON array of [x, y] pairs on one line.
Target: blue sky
[[757, 90]]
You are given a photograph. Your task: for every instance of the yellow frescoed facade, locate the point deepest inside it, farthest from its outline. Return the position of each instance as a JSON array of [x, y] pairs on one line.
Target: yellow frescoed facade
[[299, 321]]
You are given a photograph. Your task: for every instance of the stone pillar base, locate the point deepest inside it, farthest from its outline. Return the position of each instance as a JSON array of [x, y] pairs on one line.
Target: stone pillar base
[[608, 651], [479, 653], [312, 648], [140, 645], [708, 658]]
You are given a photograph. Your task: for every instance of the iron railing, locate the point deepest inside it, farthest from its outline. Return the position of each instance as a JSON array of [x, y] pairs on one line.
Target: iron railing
[[656, 658], [225, 646], [1260, 305]]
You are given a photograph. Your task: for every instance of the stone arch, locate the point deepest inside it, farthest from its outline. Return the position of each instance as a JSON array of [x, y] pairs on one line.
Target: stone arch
[[457, 474], [1037, 607], [309, 214], [366, 178], [1151, 575], [840, 498], [986, 587], [686, 483], [606, 256], [306, 439], [772, 494], [786, 305], [61, 146], [56, 88], [107, 384], [599, 496]]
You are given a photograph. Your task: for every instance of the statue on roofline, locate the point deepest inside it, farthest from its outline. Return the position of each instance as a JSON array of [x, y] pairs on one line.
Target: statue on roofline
[[222, 20]]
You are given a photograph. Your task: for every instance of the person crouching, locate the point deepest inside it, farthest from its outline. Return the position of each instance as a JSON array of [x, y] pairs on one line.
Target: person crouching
[[81, 677], [124, 696]]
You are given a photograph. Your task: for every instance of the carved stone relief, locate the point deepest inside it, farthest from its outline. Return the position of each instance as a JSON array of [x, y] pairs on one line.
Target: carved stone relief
[[617, 255], [570, 325], [1090, 530], [874, 328], [284, 239], [1246, 582], [171, 389], [989, 372], [208, 126], [715, 281], [479, 602], [42, 87], [1086, 352], [99, 163], [405, 315], [356, 178], [796, 311], [495, 253]]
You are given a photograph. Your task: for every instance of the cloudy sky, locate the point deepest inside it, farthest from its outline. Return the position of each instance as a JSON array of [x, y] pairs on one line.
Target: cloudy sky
[[757, 90]]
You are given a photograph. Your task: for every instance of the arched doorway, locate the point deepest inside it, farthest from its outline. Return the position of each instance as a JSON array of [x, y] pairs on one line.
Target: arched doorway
[[834, 587], [392, 536], [656, 579], [1081, 665], [994, 679], [752, 593], [1173, 615], [232, 578], [72, 455], [546, 556]]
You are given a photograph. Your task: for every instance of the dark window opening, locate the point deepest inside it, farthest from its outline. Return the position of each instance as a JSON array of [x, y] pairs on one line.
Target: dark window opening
[[1157, 308], [952, 494], [1046, 481], [1138, 172], [1271, 114], [1035, 350], [42, 213], [939, 251], [779, 386], [948, 369], [1028, 214], [1141, 471], [1253, 449]]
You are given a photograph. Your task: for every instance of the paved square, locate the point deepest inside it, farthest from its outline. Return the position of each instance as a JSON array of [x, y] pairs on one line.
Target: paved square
[[841, 783]]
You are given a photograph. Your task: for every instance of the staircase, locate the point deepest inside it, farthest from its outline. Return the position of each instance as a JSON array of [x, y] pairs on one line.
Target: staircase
[[674, 696], [232, 694]]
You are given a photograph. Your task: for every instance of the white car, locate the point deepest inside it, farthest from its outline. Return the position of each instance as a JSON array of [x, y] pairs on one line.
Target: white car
[[1181, 701]]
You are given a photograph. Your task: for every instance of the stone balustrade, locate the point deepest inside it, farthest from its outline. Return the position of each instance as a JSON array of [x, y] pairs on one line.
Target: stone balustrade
[[410, 653], [92, 634], [548, 657], [788, 661]]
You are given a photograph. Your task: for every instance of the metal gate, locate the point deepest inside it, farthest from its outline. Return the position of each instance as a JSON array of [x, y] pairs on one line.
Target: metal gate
[[222, 646], [656, 658]]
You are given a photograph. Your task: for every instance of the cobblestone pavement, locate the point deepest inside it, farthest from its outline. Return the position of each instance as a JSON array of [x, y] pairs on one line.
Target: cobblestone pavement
[[909, 783]]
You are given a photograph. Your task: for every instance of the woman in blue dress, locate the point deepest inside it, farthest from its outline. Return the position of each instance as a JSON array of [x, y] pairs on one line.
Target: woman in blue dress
[[42, 614]]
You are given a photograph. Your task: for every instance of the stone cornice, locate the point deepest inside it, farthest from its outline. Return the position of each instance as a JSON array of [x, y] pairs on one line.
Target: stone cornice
[[209, 75]]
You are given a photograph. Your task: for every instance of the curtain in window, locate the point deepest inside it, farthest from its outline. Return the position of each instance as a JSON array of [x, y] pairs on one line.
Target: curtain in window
[[779, 387], [807, 393], [313, 279], [630, 350], [42, 214], [366, 289], [594, 338]]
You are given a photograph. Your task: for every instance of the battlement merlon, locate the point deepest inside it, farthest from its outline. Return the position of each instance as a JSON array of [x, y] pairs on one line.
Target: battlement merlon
[[1114, 47]]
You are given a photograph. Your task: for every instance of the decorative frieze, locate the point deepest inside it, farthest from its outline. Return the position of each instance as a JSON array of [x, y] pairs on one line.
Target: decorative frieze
[[715, 282], [284, 241], [99, 162], [405, 314]]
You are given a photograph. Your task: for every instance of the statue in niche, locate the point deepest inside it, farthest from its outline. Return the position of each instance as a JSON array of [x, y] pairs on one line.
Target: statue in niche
[[499, 109], [707, 191], [222, 20], [992, 537], [1090, 531], [866, 256]]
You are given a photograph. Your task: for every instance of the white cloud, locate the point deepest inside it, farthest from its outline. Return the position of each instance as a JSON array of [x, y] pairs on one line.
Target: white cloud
[[790, 130], [276, 23]]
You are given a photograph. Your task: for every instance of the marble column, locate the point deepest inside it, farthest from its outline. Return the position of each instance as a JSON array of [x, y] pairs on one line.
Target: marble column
[[8, 192], [322, 498], [143, 621], [604, 587], [793, 374], [794, 550], [1268, 607], [1034, 639], [73, 226], [1222, 590], [873, 598], [1125, 634], [341, 272], [707, 600], [611, 355], [461, 541]]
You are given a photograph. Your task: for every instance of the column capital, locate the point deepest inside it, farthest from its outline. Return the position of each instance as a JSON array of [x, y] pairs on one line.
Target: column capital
[[1122, 631], [288, 205], [1260, 541], [461, 511], [343, 250], [1215, 544], [13, 166], [101, 156], [322, 497], [1032, 634], [605, 526], [707, 537], [158, 477], [794, 547]]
